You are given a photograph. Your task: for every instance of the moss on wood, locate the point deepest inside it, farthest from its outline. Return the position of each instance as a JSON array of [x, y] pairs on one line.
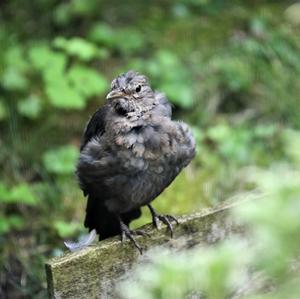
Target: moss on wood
[[94, 271]]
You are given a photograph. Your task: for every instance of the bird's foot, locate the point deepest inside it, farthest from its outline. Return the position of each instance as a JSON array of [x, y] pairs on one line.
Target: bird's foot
[[128, 233], [166, 219]]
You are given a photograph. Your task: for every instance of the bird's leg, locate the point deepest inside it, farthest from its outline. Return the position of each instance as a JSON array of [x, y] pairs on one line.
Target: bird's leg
[[166, 219], [128, 233]]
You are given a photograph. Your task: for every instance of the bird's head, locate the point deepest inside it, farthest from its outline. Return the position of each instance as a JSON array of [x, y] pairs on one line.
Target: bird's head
[[130, 86]]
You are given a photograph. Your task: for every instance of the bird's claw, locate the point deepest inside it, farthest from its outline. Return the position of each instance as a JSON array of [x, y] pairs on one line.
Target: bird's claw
[[166, 219], [128, 234]]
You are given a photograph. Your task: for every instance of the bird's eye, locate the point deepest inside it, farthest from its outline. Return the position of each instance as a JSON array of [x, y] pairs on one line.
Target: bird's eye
[[138, 88]]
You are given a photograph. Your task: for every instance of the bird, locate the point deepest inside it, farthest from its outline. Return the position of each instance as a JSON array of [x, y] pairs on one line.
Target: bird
[[131, 150]]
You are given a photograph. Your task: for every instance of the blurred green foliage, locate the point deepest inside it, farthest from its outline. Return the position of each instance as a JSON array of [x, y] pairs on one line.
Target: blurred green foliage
[[62, 160], [263, 265], [230, 69]]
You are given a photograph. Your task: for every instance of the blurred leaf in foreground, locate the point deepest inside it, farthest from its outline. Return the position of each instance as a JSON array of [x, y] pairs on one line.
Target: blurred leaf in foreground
[[264, 265]]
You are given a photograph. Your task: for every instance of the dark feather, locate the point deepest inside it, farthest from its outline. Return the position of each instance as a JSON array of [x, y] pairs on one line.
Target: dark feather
[[106, 223], [95, 126]]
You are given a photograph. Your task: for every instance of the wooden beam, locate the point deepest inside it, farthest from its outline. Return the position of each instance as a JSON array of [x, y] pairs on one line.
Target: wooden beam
[[94, 271]]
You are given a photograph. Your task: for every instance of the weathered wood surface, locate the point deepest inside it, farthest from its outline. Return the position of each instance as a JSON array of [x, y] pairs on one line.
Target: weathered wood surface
[[94, 271]]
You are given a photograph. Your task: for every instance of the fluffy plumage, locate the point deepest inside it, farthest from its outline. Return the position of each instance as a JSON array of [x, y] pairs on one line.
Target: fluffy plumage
[[131, 151]]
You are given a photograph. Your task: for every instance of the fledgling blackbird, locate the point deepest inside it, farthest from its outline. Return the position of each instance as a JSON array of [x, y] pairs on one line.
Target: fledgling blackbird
[[131, 151]]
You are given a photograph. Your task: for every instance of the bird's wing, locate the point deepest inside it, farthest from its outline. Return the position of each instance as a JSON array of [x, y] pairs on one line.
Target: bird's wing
[[97, 215], [95, 126]]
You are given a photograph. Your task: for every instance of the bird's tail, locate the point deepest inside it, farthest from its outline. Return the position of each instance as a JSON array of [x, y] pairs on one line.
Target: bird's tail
[[106, 223]]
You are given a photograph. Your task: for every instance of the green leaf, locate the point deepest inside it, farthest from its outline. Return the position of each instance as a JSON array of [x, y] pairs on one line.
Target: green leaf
[[30, 107], [21, 193], [179, 94], [84, 8], [46, 60], [62, 95], [59, 91], [102, 33], [171, 77], [87, 81], [65, 229], [61, 160], [14, 56], [219, 133], [80, 48], [126, 40], [129, 40], [13, 79], [167, 58], [62, 13]]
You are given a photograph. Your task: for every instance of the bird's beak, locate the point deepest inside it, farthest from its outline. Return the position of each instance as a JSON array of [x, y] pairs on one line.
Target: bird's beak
[[115, 94]]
